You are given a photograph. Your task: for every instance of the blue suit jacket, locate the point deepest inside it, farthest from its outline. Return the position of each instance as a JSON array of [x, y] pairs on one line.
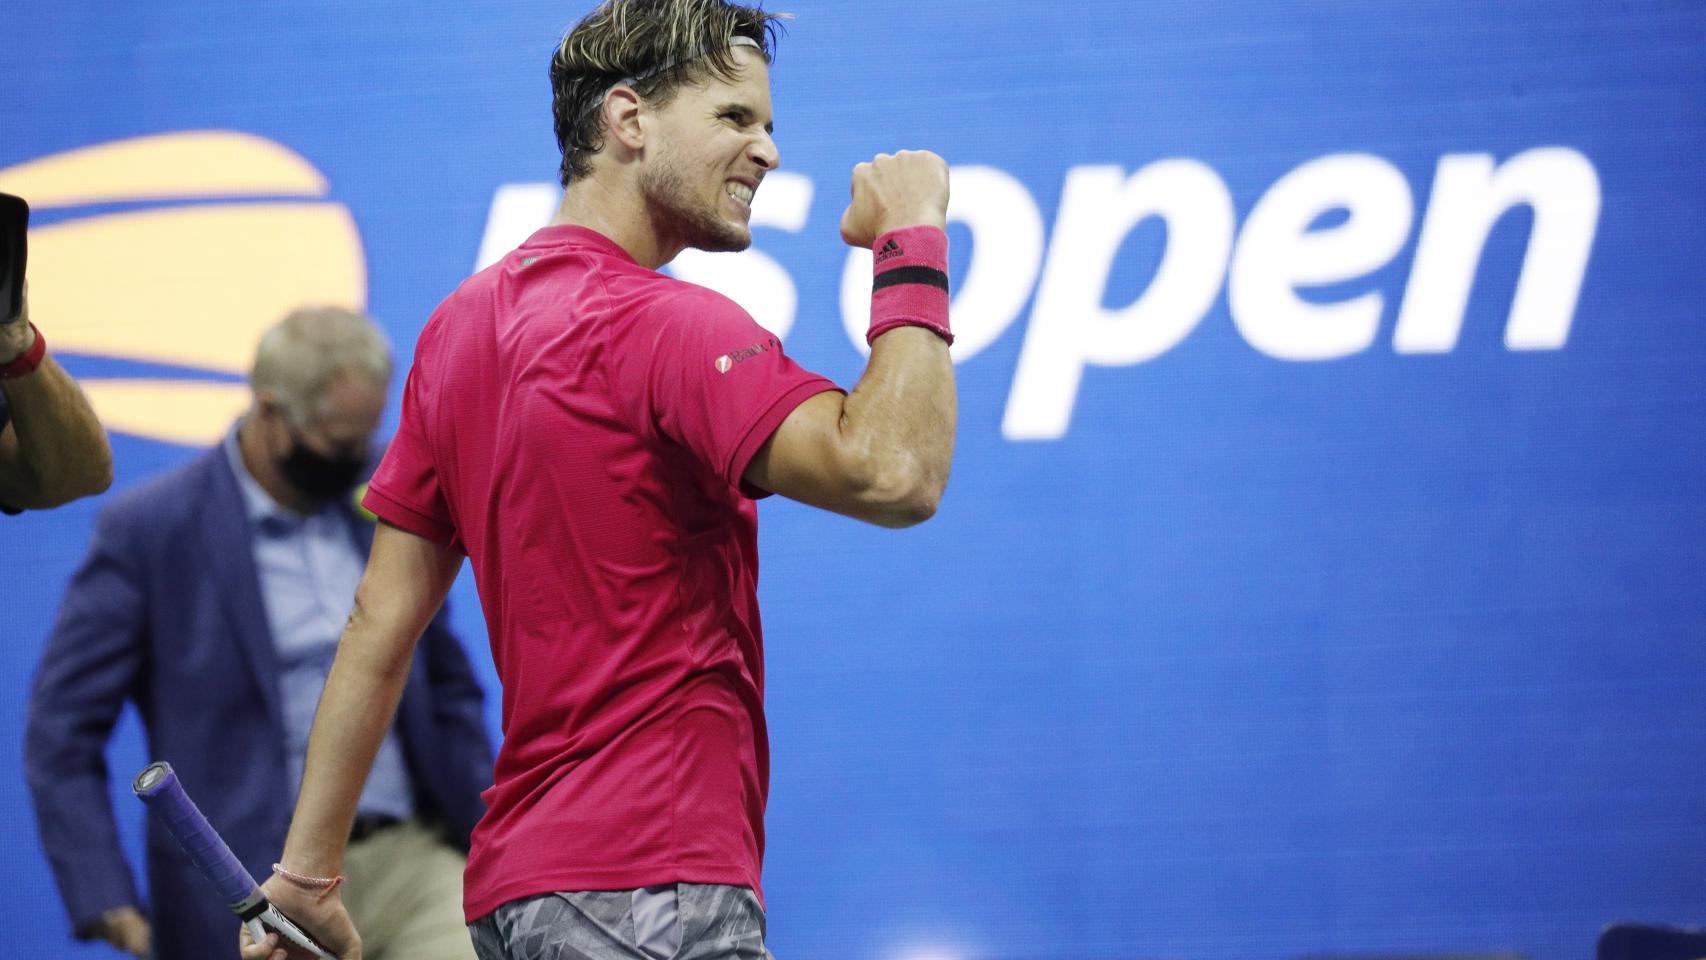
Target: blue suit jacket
[[166, 612]]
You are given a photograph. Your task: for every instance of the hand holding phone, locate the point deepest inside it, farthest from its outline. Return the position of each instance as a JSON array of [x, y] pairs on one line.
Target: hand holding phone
[[14, 233]]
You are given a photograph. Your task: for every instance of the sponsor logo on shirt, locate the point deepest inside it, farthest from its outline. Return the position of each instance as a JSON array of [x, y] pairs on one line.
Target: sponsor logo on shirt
[[172, 254], [727, 361]]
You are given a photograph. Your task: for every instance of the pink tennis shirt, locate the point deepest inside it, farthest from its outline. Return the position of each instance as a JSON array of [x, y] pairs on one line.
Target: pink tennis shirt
[[578, 425]]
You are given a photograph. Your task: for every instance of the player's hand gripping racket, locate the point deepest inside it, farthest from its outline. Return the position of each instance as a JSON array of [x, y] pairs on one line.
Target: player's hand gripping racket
[[159, 789]]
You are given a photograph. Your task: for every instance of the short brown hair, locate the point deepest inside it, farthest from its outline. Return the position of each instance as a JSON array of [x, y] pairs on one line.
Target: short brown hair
[[655, 46]]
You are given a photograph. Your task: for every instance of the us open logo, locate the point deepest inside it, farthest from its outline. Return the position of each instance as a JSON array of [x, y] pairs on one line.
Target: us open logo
[[216, 236]]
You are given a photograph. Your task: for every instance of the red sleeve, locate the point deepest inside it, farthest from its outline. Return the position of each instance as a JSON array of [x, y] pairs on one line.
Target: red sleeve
[[405, 490], [720, 385]]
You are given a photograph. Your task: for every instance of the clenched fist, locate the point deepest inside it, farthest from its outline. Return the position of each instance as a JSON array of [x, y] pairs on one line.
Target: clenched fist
[[905, 189]]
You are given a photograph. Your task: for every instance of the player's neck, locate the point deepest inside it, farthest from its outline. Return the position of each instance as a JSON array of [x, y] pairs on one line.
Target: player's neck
[[610, 209]]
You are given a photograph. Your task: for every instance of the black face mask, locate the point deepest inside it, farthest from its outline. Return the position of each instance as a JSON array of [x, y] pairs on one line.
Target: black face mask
[[318, 476]]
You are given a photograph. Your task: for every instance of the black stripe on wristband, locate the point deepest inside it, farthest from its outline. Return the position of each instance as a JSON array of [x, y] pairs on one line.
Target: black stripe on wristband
[[929, 276]]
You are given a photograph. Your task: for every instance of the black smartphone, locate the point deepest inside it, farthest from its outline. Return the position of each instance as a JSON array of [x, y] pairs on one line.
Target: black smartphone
[[14, 231]]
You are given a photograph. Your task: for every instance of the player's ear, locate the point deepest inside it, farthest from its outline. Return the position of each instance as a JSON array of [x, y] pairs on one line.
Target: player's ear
[[623, 111]]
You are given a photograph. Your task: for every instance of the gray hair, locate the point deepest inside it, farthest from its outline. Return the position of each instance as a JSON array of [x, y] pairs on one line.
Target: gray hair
[[300, 356]]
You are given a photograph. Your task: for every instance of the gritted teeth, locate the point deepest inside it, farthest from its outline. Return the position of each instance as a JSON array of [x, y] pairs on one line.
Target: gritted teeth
[[741, 192]]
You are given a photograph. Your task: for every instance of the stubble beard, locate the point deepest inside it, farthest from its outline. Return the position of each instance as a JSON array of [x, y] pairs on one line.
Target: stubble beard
[[669, 202]]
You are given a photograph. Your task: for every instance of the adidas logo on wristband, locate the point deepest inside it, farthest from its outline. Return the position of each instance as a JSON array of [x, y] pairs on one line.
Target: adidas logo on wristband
[[889, 251]]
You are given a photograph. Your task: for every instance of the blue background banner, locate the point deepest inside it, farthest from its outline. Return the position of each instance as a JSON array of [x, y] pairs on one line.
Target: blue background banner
[[1321, 570]]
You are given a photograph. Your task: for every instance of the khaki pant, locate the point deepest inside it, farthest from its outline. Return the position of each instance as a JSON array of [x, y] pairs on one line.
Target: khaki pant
[[404, 892]]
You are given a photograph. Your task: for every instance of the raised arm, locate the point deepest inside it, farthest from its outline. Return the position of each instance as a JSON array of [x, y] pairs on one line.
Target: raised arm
[[406, 581], [54, 449], [881, 453]]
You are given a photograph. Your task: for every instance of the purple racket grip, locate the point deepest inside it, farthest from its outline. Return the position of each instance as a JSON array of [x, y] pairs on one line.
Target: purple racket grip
[[158, 788]]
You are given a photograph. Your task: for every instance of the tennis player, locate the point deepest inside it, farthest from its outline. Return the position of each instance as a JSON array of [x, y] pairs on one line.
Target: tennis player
[[592, 435]]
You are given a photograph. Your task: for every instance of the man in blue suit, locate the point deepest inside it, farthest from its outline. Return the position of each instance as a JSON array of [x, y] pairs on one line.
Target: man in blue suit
[[213, 599]]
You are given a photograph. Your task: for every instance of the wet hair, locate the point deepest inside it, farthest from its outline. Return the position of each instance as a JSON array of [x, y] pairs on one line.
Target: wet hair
[[653, 46]]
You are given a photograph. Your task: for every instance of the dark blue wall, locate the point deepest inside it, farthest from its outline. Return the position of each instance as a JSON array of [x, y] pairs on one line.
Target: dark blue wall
[[1291, 635]]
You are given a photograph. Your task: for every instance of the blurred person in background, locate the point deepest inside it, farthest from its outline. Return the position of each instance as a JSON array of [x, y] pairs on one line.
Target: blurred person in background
[[213, 598]]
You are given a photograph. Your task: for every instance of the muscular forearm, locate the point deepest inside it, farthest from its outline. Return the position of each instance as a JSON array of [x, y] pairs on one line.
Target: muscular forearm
[[404, 585], [898, 424], [355, 710], [881, 453], [54, 449], [900, 417]]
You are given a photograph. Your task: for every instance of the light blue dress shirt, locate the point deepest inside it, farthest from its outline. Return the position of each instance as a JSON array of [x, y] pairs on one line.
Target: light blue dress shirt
[[309, 567]]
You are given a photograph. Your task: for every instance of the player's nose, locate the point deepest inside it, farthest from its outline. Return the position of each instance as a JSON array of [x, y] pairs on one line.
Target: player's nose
[[763, 152]]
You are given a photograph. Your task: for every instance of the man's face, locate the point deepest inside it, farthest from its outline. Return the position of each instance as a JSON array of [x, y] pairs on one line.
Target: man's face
[[347, 418], [712, 148], [337, 439]]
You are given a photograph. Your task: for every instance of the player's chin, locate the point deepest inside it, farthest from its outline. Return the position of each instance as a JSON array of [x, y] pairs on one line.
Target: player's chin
[[729, 237]]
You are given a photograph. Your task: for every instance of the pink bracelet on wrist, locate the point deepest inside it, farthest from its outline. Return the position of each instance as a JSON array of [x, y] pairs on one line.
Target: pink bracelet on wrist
[[909, 282], [322, 886]]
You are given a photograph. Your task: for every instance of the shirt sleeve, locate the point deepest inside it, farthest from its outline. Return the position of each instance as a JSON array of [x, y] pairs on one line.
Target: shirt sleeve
[[720, 384], [405, 490]]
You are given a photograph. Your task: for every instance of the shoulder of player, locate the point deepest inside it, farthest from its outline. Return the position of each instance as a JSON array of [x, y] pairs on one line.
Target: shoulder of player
[[454, 310], [676, 302], [479, 288]]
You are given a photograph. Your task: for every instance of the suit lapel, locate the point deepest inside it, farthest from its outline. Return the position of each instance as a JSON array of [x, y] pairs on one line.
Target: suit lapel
[[231, 566]]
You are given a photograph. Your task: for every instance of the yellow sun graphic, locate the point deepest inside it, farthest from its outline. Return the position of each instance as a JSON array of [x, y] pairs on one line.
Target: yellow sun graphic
[[233, 232]]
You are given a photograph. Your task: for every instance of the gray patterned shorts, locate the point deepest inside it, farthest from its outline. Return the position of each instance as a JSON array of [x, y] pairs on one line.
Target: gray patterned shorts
[[678, 921]]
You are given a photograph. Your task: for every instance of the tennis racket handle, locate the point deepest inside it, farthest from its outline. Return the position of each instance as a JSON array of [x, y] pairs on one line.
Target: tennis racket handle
[[158, 787]]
